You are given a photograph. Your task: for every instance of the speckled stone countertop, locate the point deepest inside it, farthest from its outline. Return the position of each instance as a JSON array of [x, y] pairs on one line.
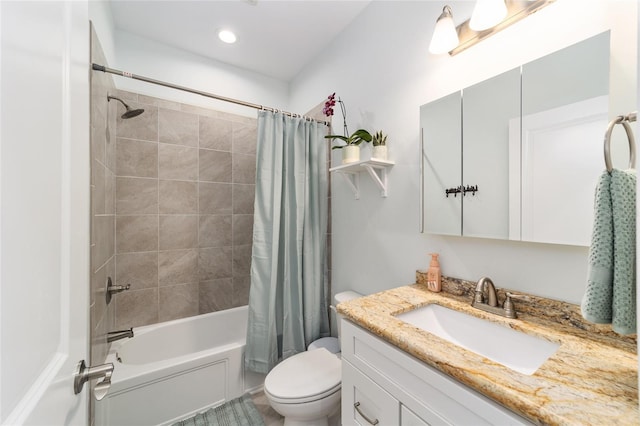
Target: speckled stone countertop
[[592, 379]]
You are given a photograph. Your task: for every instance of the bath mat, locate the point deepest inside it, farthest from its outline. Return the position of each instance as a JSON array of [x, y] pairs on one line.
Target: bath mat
[[237, 412]]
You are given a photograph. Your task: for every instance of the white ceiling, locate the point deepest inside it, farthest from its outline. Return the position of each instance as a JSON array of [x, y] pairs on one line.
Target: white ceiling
[[275, 37]]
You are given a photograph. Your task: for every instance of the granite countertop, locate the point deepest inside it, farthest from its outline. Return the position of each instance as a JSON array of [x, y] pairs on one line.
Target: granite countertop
[[591, 379]]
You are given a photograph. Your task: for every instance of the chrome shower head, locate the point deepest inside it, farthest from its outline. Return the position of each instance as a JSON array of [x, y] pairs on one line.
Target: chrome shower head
[[129, 113]]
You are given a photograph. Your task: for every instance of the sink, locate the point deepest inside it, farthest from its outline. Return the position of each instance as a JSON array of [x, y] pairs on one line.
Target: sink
[[513, 349]]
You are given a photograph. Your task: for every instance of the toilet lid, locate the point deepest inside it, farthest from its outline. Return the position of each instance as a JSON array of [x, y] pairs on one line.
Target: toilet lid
[[305, 376]]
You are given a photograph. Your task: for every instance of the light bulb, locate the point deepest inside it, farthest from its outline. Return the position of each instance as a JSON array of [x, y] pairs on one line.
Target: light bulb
[[227, 36], [445, 36], [487, 13]]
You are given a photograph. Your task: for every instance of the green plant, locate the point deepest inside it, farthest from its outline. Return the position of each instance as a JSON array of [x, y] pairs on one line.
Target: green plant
[[356, 138], [379, 139]]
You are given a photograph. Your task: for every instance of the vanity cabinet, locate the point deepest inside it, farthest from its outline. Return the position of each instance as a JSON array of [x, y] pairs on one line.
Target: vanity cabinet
[[381, 382]]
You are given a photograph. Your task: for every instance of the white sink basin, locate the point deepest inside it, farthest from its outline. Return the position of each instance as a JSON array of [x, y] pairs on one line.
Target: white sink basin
[[513, 349]]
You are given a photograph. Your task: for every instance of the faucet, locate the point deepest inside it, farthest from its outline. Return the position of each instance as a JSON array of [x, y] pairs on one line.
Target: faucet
[[112, 336], [486, 299]]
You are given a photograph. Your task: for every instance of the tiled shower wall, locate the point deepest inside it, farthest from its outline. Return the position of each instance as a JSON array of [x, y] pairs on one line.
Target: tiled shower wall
[[185, 185]]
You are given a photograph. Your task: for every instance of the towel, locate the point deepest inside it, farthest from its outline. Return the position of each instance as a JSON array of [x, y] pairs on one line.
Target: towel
[[610, 297]]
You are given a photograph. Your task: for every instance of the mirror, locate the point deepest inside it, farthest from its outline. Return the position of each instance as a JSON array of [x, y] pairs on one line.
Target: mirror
[[564, 117], [518, 156]]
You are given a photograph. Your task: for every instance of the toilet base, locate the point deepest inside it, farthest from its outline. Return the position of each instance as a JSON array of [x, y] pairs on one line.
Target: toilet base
[[316, 413]]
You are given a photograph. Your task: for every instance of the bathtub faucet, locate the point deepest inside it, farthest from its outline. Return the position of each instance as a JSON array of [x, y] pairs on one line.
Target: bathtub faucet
[[112, 336]]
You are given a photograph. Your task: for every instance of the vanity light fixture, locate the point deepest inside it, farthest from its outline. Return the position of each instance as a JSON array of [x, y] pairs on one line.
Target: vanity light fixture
[[487, 13], [445, 37], [479, 27], [227, 36]]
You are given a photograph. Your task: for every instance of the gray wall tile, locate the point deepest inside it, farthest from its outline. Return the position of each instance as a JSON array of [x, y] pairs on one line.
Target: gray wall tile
[[214, 263], [215, 231], [140, 270], [136, 196], [178, 127], [242, 229], [104, 236], [244, 168], [99, 184], [241, 260], [245, 137], [178, 197], [110, 192], [241, 286], [178, 301], [136, 308], [215, 166], [243, 198], [215, 133], [180, 257], [177, 267], [177, 162], [215, 295], [136, 158], [215, 198], [178, 232], [142, 127], [136, 233]]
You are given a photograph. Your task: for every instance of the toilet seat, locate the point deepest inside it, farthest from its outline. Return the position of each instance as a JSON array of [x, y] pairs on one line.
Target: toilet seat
[[304, 377]]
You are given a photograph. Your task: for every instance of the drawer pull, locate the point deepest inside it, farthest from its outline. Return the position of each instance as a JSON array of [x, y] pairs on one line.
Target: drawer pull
[[357, 407]]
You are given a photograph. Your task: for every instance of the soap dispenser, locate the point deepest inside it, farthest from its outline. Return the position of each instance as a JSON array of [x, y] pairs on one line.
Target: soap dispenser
[[434, 279]]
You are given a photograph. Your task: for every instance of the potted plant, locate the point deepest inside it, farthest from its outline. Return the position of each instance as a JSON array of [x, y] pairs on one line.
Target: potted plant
[[379, 141], [351, 149]]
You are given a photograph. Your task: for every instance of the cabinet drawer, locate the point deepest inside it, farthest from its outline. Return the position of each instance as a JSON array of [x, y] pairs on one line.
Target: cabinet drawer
[[364, 402], [409, 418]]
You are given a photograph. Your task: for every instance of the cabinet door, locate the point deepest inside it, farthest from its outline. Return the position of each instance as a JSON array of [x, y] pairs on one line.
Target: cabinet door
[[364, 402], [487, 109], [440, 123]]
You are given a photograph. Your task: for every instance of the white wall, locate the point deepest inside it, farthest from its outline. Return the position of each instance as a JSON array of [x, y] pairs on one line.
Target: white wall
[[382, 70], [161, 62], [129, 52]]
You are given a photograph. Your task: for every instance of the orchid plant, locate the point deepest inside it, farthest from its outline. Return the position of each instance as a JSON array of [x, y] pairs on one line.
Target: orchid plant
[[357, 137]]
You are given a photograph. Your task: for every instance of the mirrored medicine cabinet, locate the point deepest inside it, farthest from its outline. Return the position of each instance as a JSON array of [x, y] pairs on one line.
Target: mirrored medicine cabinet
[[518, 156]]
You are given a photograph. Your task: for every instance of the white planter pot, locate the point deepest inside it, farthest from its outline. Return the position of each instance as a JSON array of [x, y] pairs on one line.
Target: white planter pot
[[350, 154], [379, 152]]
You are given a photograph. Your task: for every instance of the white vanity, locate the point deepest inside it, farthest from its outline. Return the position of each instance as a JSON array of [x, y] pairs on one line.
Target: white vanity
[[383, 385], [396, 371]]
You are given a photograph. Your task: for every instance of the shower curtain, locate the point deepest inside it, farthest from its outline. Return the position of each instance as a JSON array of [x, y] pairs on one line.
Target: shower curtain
[[288, 298]]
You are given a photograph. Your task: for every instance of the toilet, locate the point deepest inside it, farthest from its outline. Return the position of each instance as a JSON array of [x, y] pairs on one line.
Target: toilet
[[305, 388]]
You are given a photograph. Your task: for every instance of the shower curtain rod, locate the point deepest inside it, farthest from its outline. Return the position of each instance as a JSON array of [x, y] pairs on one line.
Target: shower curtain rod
[[97, 67]]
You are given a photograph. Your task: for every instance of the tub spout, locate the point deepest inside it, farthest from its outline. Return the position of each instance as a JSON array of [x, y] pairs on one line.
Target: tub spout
[[112, 336]]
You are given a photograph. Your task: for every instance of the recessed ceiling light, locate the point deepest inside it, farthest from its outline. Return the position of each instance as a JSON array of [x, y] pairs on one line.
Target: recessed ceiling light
[[227, 36]]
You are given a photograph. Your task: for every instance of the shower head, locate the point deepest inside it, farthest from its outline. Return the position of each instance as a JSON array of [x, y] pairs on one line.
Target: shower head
[[129, 113]]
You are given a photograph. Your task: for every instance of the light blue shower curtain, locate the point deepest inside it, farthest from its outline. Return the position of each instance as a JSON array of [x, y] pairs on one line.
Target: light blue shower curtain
[[288, 298]]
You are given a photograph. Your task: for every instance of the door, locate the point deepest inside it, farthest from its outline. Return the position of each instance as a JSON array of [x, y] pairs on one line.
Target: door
[[44, 210]]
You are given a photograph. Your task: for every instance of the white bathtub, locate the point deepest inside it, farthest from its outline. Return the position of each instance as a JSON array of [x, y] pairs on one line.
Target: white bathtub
[[170, 371]]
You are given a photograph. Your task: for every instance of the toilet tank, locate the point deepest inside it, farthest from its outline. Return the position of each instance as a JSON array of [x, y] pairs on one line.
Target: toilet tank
[[343, 296]]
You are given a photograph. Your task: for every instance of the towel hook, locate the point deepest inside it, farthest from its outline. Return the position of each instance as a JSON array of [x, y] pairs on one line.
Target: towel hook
[[621, 119]]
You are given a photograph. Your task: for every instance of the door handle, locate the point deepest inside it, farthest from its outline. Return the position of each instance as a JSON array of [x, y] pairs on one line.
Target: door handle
[[83, 374]]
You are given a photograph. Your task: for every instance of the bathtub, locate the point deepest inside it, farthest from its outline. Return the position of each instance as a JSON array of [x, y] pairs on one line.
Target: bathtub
[[170, 371]]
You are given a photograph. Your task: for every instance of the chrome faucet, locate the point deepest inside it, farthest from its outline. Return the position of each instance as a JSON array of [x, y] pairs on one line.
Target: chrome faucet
[[112, 336], [486, 299]]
